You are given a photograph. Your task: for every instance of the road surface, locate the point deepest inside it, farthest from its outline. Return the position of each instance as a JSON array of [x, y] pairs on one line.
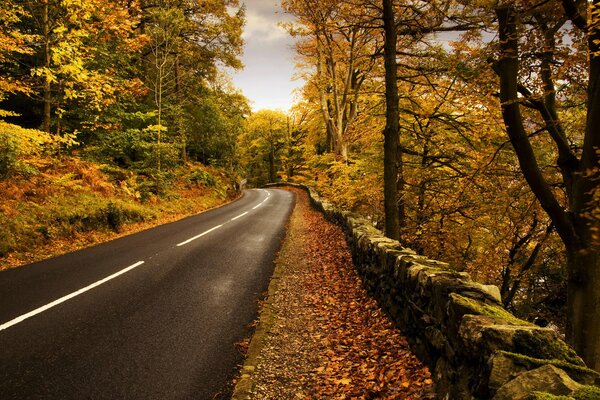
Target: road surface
[[153, 315]]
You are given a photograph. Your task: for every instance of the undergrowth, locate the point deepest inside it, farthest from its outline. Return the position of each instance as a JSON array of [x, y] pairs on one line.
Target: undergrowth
[[71, 200]]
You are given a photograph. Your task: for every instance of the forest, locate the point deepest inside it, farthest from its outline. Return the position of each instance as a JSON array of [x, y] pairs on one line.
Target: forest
[[468, 130]]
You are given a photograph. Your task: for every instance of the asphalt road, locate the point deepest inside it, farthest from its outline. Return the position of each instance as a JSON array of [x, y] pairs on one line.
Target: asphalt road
[[153, 315]]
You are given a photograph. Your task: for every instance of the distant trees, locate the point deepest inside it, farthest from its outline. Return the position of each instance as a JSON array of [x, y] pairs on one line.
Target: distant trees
[[263, 141]]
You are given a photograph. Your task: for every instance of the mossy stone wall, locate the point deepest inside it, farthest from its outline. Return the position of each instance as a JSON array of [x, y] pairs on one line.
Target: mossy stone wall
[[458, 327]]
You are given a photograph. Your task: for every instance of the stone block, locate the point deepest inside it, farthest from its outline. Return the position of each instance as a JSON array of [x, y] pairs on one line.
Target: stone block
[[547, 378], [502, 370]]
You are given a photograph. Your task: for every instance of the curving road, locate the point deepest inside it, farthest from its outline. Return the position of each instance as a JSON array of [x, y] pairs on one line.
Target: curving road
[[153, 315]]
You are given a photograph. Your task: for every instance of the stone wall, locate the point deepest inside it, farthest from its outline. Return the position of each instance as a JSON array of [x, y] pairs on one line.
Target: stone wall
[[473, 346]]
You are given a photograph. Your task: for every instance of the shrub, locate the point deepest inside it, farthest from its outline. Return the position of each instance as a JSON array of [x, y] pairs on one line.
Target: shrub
[[201, 177], [114, 216], [7, 241], [8, 155]]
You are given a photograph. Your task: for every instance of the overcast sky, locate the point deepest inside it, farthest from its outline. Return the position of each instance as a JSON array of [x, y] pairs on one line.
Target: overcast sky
[[268, 58]]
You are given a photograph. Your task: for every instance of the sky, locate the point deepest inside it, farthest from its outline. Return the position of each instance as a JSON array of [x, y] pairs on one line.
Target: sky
[[267, 79]]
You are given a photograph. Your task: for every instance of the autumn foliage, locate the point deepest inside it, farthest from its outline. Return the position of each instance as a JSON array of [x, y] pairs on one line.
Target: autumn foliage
[[329, 338]]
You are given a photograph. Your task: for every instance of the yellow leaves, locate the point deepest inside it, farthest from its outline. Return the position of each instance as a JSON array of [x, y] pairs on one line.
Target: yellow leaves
[[60, 30], [12, 41], [343, 381], [156, 128], [47, 73], [26, 141]]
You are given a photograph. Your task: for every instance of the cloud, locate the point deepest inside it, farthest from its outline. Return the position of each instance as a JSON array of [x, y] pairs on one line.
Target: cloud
[[261, 27], [268, 57]]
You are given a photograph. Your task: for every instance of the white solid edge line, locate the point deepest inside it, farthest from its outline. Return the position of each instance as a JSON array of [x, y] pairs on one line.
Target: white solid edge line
[[200, 235], [67, 297], [239, 216], [256, 206]]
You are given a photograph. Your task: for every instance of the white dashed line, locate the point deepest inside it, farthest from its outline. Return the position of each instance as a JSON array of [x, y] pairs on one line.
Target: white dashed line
[[200, 235], [218, 226], [67, 297], [239, 216]]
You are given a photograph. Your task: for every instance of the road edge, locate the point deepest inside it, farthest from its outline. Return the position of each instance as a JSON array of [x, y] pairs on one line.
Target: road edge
[[245, 384]]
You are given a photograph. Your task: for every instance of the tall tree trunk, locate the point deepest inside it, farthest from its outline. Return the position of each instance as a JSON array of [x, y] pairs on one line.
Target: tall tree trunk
[[47, 93], [391, 159], [159, 132]]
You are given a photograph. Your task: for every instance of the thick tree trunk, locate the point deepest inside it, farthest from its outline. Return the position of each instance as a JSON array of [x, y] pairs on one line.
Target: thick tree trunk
[[583, 306], [391, 159]]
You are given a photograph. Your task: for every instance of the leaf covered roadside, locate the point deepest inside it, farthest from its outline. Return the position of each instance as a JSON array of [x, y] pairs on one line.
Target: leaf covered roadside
[[329, 339]]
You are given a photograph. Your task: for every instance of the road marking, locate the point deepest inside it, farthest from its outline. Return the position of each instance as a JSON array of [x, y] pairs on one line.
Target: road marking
[[256, 206], [67, 297], [239, 216], [200, 235]]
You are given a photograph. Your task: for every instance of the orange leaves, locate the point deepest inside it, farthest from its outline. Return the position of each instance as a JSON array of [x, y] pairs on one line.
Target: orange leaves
[[362, 355]]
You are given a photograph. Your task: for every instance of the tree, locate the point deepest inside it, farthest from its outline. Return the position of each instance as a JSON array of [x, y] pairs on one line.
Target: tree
[[165, 27], [187, 41], [340, 51], [73, 64], [574, 221]]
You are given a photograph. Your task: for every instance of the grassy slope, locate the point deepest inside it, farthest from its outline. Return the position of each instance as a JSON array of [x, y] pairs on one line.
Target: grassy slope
[[70, 204]]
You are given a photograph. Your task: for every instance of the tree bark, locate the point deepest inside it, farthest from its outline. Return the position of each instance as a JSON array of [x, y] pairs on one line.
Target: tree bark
[[583, 306], [508, 69], [392, 160]]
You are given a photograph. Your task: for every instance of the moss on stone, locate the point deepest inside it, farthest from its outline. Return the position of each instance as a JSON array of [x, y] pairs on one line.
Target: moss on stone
[[532, 342], [499, 314], [587, 393], [547, 396], [583, 393], [576, 372]]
